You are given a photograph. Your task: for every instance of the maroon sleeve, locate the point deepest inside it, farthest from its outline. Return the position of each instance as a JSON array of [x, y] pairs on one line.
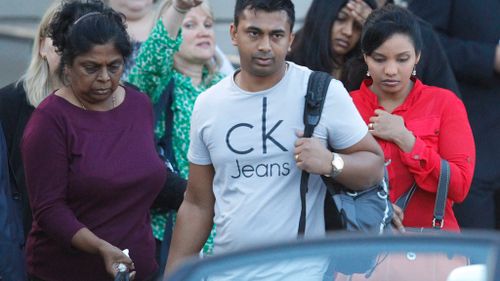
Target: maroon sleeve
[[46, 159]]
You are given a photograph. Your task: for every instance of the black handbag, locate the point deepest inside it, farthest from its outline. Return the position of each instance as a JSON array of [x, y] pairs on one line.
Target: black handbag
[[369, 210]]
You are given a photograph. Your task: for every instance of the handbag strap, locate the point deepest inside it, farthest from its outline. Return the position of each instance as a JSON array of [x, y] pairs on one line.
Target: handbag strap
[[441, 195], [317, 87]]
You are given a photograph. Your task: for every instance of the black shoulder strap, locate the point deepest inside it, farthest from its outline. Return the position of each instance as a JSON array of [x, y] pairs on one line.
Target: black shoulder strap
[[317, 88], [441, 195]]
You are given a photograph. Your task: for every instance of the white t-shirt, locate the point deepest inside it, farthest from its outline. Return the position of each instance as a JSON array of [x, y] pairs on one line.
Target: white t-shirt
[[249, 139]]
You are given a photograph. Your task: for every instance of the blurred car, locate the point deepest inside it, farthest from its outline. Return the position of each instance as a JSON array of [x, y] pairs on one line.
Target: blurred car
[[351, 256]]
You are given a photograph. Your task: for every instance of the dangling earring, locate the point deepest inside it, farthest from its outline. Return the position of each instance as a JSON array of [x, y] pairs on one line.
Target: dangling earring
[[414, 72], [367, 73]]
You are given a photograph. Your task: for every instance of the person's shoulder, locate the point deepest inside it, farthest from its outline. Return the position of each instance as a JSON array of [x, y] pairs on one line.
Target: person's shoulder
[[299, 69], [337, 85], [215, 97], [135, 95], [133, 91], [12, 92], [52, 104], [439, 95], [300, 75], [356, 94], [52, 108], [438, 92], [219, 89]]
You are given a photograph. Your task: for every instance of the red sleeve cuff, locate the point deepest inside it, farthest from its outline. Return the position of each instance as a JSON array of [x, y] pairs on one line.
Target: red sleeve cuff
[[413, 158]]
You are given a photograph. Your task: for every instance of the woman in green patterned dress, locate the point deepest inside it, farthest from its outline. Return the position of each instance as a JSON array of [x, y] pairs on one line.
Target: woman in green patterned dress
[[181, 47]]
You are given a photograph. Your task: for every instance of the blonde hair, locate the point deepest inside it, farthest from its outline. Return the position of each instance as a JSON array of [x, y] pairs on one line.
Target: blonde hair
[[37, 78], [213, 65]]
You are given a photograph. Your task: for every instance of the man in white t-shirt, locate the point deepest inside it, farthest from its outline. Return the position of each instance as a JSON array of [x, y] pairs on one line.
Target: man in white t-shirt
[[246, 158]]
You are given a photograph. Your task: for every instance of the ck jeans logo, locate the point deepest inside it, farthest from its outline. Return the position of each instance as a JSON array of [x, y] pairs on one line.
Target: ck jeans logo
[[266, 135], [249, 170]]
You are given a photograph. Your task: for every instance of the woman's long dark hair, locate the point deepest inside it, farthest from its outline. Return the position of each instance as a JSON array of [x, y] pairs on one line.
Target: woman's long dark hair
[[312, 45]]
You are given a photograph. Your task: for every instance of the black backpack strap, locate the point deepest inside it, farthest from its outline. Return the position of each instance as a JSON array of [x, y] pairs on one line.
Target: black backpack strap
[[441, 195], [317, 88]]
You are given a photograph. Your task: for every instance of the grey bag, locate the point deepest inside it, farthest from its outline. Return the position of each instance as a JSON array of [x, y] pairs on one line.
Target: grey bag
[[369, 210]]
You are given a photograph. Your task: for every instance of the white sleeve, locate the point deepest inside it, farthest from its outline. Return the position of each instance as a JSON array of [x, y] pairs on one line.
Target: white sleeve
[[198, 152], [344, 125]]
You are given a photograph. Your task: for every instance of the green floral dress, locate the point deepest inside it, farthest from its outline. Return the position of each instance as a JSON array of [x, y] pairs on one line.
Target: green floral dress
[[154, 67]]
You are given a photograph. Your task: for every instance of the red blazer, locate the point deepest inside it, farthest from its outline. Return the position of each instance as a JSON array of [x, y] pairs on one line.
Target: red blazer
[[439, 122]]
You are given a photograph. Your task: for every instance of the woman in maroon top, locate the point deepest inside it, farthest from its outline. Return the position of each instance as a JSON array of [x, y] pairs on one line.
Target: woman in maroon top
[[91, 166], [416, 125]]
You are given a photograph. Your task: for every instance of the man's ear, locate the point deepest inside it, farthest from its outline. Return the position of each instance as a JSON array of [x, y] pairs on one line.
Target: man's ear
[[292, 36], [233, 33]]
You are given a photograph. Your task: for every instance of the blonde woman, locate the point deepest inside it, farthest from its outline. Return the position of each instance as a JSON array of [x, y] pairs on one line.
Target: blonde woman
[[19, 99], [179, 50], [141, 16]]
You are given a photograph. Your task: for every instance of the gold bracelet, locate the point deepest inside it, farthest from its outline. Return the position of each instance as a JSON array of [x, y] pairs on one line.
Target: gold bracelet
[[179, 10]]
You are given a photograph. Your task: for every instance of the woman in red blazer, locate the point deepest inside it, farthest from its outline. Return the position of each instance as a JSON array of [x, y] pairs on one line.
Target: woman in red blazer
[[416, 125]]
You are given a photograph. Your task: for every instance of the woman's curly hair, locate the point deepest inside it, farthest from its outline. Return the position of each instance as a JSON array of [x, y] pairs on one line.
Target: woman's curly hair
[[80, 25]]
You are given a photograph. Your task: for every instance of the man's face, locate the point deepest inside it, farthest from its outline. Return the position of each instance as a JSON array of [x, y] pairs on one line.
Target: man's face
[[263, 40]]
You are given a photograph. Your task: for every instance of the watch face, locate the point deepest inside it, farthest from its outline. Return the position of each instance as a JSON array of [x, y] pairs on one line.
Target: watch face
[[337, 163]]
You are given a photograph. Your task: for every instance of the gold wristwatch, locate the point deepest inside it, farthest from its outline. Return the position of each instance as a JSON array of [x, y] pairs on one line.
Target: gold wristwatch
[[337, 165]]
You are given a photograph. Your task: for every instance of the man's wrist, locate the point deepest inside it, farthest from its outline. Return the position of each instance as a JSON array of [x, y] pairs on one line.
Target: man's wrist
[[336, 165], [328, 167]]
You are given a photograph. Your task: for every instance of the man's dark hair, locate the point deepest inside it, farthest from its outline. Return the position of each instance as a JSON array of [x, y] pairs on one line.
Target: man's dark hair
[[268, 6], [79, 26]]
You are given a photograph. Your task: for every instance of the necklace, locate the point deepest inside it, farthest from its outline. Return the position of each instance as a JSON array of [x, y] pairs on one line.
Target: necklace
[[113, 100]]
